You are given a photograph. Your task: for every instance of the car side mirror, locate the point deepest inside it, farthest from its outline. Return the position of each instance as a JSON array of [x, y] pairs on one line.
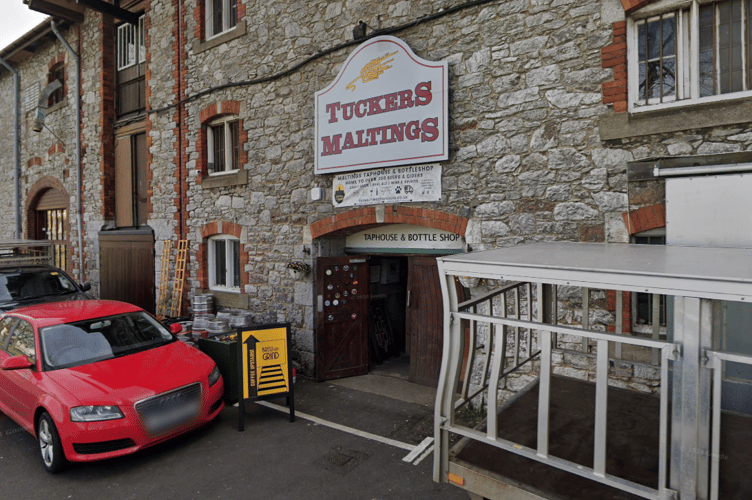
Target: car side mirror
[[176, 328], [86, 287], [16, 363]]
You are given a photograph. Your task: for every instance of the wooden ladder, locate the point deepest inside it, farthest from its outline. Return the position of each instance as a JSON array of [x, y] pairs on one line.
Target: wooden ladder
[[177, 296], [164, 279]]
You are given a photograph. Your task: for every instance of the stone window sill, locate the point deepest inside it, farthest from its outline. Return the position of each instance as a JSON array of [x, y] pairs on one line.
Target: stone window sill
[[227, 299], [204, 45], [714, 114], [239, 178], [57, 106]]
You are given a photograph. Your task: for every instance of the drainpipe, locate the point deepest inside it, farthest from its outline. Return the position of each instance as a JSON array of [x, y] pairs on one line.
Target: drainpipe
[[79, 187], [17, 147]]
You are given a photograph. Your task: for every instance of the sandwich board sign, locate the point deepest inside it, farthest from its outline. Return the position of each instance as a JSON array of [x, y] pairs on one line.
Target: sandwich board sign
[[264, 366]]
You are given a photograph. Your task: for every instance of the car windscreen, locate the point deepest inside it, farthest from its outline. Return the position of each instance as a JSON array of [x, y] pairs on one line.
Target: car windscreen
[[23, 285], [74, 344]]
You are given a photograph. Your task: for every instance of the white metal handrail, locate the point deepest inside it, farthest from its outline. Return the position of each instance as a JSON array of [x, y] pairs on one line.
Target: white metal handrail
[[498, 371], [546, 333], [715, 360]]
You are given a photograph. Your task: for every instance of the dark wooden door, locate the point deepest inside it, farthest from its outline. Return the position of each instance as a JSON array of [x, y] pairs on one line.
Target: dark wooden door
[[127, 267], [342, 321], [425, 320]]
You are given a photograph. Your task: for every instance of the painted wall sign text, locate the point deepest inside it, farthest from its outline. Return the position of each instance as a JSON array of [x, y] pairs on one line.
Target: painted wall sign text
[[386, 107]]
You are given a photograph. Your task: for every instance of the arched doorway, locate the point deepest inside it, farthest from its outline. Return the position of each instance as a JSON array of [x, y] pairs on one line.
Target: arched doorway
[[48, 220], [382, 298]]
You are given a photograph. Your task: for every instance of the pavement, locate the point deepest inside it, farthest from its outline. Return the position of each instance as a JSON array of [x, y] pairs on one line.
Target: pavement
[[363, 438]]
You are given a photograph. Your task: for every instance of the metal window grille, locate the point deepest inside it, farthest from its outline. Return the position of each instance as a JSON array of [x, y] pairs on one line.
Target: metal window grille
[[666, 56], [127, 35], [657, 59]]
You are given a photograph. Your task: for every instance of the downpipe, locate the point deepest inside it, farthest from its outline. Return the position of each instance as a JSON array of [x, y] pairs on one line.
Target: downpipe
[[79, 186], [16, 147]]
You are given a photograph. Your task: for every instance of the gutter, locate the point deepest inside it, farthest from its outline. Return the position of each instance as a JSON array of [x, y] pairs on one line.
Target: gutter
[[79, 188], [17, 146]]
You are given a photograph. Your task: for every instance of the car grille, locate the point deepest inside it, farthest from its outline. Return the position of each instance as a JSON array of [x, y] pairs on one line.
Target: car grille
[[102, 446], [170, 410]]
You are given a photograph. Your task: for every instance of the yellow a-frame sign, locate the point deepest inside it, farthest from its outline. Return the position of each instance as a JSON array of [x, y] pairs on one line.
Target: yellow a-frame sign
[[264, 365]]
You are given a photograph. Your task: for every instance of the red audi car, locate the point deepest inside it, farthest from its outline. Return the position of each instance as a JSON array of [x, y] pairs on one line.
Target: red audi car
[[95, 379]]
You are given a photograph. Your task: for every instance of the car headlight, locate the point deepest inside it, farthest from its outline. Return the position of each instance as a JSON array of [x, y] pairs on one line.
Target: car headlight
[[214, 376], [95, 413]]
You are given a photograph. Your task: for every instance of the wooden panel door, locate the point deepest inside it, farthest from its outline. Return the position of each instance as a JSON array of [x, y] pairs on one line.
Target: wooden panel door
[[342, 319], [127, 267], [425, 320]]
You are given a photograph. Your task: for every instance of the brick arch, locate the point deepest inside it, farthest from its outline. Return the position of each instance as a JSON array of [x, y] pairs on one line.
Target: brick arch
[[645, 218], [632, 5], [36, 190], [59, 147], [361, 219], [206, 115], [202, 255], [32, 198], [34, 161], [217, 109]]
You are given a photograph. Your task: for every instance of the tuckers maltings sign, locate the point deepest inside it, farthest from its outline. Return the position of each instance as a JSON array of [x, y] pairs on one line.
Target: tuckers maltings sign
[[387, 107]]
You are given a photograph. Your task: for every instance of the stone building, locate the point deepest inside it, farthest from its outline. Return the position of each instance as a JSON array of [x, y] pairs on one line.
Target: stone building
[[199, 123]]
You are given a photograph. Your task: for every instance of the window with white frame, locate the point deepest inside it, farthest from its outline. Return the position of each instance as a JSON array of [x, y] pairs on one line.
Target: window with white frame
[[221, 16], [223, 145], [131, 44], [224, 263], [697, 52]]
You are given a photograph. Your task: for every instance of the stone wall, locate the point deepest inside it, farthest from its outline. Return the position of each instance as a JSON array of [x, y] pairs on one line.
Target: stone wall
[[526, 163]]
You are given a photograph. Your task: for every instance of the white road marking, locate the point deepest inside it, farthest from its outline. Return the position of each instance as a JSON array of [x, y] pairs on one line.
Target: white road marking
[[424, 455], [418, 450], [414, 450]]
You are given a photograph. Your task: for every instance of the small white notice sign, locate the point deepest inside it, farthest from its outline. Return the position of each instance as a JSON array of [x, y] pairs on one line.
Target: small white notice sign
[[388, 185]]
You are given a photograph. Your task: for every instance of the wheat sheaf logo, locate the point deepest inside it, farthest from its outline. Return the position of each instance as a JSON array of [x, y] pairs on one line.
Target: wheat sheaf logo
[[372, 70]]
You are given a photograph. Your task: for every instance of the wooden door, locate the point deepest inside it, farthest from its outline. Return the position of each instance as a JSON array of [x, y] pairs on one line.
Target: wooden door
[[342, 320], [127, 267], [425, 320]]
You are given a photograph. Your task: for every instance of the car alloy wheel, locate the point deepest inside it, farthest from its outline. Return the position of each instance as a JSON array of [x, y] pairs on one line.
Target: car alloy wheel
[[49, 444]]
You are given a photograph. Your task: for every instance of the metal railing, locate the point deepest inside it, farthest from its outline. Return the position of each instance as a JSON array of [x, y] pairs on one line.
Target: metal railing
[[498, 304], [715, 361]]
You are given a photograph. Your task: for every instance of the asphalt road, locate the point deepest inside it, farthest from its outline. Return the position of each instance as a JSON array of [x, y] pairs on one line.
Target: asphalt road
[[271, 459]]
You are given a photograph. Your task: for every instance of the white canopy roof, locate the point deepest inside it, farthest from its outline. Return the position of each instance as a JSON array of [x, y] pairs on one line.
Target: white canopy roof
[[716, 273]]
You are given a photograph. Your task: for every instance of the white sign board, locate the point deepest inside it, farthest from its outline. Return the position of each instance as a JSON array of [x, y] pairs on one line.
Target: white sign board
[[404, 236], [386, 107], [388, 185], [709, 211]]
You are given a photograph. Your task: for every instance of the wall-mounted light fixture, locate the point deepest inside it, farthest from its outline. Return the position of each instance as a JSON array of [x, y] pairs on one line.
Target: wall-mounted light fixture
[[42, 105], [359, 31]]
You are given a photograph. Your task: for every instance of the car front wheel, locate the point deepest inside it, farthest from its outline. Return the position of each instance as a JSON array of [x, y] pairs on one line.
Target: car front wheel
[[50, 446]]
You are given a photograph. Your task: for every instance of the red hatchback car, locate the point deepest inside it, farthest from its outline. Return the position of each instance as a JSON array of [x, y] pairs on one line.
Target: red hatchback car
[[95, 379]]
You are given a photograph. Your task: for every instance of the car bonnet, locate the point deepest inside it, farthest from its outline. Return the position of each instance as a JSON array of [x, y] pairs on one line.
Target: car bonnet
[[128, 379]]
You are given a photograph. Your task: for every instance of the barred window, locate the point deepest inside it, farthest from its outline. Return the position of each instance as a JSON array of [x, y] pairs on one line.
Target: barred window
[[127, 47], [698, 53]]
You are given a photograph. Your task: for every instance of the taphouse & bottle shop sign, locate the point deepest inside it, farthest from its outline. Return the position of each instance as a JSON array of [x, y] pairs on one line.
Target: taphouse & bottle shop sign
[[387, 107]]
